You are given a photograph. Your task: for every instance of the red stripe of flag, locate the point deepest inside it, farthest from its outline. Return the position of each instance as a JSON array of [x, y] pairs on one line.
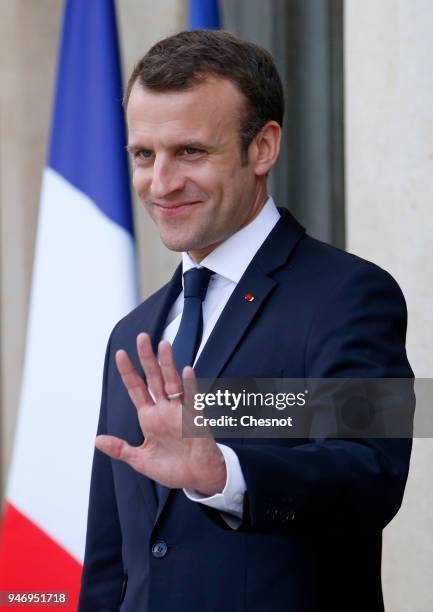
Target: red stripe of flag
[[33, 562]]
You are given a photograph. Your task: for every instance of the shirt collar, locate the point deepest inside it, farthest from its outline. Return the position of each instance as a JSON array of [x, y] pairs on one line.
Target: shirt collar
[[232, 257]]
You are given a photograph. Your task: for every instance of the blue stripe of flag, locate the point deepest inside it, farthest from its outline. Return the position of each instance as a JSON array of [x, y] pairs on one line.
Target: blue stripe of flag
[[204, 14], [88, 130]]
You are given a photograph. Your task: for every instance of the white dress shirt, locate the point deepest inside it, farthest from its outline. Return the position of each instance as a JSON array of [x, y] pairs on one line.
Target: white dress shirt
[[228, 262]]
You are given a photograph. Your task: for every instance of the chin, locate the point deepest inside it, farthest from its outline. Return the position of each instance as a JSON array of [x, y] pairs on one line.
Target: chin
[[177, 240], [173, 243], [173, 246]]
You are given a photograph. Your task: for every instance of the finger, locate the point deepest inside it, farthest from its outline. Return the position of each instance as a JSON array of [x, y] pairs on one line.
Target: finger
[[150, 365], [190, 387], [119, 449], [172, 380], [134, 384], [189, 430], [116, 448]]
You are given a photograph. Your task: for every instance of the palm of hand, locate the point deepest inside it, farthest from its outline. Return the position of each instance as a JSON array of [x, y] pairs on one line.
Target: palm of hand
[[165, 456]]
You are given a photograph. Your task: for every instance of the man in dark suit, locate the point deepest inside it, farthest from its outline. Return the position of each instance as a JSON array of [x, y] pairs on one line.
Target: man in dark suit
[[263, 525]]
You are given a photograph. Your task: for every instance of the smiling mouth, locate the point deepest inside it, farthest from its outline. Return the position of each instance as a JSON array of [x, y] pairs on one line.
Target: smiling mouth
[[173, 209]]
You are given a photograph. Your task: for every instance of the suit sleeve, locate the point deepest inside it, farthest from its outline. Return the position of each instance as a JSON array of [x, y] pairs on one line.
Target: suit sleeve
[[337, 484], [103, 575]]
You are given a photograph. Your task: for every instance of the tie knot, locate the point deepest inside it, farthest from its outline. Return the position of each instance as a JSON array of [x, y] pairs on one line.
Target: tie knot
[[195, 282]]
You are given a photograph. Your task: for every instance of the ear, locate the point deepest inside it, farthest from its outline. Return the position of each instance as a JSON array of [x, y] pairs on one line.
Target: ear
[[265, 148]]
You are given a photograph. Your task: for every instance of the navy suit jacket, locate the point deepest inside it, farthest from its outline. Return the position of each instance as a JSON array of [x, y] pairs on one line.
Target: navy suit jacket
[[310, 539]]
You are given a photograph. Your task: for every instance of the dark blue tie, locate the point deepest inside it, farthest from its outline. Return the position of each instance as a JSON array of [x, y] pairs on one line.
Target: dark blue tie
[[188, 337]]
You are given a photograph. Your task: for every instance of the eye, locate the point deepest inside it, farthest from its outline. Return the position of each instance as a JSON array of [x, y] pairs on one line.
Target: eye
[[191, 151], [144, 154]]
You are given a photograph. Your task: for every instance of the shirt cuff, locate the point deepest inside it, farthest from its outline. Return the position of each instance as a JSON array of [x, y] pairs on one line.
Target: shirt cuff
[[231, 498]]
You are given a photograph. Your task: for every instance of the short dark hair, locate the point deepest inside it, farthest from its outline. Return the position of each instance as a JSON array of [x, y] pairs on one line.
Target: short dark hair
[[185, 59]]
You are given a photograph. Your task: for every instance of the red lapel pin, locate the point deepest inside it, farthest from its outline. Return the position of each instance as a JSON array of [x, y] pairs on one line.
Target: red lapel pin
[[249, 297]]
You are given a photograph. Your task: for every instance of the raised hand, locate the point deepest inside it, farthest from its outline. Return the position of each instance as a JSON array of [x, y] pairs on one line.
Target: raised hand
[[164, 456]]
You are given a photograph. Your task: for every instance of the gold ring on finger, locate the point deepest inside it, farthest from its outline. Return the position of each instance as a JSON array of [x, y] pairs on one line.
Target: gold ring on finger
[[173, 396]]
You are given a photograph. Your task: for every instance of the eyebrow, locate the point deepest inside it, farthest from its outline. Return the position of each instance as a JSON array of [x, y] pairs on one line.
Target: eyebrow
[[196, 144], [133, 148]]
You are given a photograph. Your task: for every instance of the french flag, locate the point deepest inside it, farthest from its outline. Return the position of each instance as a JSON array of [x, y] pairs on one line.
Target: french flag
[[84, 281]]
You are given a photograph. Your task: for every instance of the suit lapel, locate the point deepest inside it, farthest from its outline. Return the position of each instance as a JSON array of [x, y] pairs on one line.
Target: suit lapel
[[239, 313], [233, 322]]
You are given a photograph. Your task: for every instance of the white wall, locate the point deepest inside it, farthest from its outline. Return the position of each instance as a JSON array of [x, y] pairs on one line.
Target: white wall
[[389, 173]]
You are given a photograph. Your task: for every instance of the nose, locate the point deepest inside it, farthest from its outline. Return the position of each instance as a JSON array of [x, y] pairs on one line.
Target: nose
[[166, 177]]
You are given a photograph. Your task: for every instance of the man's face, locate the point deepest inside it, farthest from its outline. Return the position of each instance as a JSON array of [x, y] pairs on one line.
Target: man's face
[[187, 166]]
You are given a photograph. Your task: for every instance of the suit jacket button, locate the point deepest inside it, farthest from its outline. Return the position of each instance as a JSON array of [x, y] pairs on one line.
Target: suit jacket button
[[159, 549]]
